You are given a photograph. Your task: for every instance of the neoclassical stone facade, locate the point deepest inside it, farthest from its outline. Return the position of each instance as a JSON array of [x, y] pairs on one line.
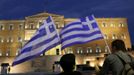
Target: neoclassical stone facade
[[15, 33]]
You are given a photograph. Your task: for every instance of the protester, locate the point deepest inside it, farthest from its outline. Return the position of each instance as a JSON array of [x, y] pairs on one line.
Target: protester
[[112, 61], [67, 62]]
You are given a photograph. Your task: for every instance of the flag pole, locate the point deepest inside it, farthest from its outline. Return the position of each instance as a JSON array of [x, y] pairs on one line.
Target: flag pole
[[103, 37], [65, 51], [59, 37], [107, 46]]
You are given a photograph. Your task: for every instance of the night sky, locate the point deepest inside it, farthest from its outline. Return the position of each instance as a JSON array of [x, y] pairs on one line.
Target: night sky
[[19, 9]]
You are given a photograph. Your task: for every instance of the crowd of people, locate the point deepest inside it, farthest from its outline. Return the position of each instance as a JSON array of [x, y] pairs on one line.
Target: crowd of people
[[111, 63]]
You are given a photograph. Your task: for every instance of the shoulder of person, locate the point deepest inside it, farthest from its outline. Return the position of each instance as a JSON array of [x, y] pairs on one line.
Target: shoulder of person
[[111, 57]]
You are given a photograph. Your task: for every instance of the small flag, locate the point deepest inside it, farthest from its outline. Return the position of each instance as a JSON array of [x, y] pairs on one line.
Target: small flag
[[45, 38], [79, 32]]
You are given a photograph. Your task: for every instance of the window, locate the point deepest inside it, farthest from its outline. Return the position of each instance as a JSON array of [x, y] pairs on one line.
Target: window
[[57, 52], [8, 52], [20, 39], [57, 24], [21, 27], [0, 52], [121, 25], [69, 50], [62, 25], [123, 36], [1, 27], [98, 49], [112, 25], [11, 27], [87, 62], [26, 26], [106, 49], [114, 36], [79, 50], [9, 39], [105, 36], [104, 25], [40, 23], [31, 26], [89, 50], [1, 40], [17, 51]]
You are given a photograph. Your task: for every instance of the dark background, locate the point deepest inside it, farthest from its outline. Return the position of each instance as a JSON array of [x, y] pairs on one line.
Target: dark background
[[19, 9]]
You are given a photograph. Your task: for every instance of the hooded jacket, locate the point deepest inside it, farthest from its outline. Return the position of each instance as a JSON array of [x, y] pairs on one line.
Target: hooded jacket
[[114, 64]]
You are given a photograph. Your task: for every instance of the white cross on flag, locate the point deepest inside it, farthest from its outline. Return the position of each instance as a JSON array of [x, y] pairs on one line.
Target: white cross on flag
[[80, 32], [45, 38]]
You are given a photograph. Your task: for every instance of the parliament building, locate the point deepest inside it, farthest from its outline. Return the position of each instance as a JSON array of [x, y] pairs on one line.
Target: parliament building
[[15, 33]]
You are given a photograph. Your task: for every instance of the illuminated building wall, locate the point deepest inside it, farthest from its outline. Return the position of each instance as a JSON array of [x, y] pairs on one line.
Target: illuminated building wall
[[15, 33], [11, 36]]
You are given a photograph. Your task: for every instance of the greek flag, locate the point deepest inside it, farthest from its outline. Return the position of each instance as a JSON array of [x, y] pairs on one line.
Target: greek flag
[[79, 32], [45, 38]]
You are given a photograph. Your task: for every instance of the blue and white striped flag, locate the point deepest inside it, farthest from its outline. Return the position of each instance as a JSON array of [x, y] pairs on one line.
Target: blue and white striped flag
[[79, 32], [45, 38]]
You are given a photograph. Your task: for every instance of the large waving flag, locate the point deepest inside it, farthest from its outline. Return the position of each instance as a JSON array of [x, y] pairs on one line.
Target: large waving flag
[[45, 38], [82, 31]]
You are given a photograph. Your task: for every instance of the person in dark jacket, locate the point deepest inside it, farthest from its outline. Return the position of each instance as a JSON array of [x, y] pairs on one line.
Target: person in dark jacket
[[67, 62], [112, 61]]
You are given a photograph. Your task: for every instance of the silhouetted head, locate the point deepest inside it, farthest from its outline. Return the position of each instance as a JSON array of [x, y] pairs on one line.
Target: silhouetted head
[[67, 62], [118, 45]]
